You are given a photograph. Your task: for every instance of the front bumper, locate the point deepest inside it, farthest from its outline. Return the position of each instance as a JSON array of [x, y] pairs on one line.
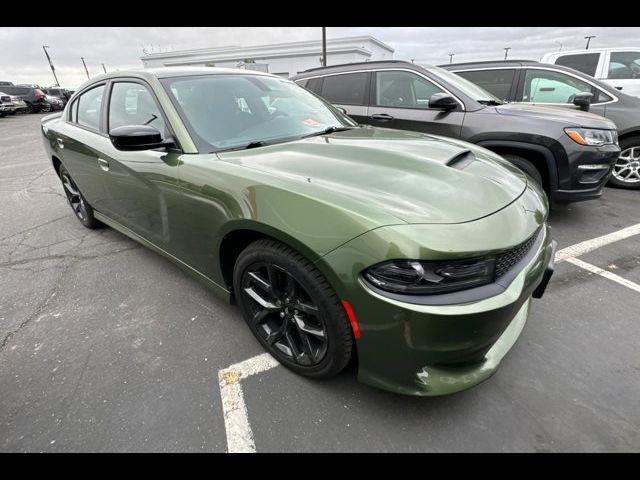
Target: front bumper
[[427, 350]]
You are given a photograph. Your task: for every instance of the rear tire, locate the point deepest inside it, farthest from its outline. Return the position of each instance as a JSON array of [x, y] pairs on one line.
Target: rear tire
[[525, 165], [292, 310], [81, 208], [626, 171]]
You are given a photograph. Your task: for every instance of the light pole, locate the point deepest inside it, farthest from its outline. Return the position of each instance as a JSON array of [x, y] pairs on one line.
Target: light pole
[[53, 70], [103, 68], [324, 46], [506, 52], [560, 43], [451, 58], [588, 38], [85, 68]]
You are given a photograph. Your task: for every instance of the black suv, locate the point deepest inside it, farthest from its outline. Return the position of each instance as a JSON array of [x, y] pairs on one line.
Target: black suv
[[569, 153], [543, 84], [33, 97], [62, 93]]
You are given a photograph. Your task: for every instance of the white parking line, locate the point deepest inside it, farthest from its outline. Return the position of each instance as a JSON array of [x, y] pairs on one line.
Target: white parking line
[[604, 273], [590, 245], [236, 420]]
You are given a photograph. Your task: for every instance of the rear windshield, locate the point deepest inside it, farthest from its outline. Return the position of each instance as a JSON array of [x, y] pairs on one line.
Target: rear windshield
[[16, 90]]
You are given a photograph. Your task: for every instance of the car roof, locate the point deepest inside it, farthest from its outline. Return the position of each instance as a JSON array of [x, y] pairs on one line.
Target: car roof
[[593, 50], [167, 72], [489, 63], [345, 67]]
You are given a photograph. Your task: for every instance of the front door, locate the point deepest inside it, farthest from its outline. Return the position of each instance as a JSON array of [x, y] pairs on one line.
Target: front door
[[400, 99]]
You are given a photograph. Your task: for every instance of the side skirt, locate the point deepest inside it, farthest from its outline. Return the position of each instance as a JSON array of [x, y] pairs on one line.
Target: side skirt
[[210, 284]]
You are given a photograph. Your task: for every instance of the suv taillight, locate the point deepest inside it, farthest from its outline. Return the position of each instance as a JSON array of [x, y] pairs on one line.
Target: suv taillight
[[39, 93]]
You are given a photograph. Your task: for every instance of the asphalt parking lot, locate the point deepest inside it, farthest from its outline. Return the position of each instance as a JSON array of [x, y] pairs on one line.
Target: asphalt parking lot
[[106, 346]]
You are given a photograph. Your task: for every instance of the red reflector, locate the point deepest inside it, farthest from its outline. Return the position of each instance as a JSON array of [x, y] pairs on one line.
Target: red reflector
[[352, 319]]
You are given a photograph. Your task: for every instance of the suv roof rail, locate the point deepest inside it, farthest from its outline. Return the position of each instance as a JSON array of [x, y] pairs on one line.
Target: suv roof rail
[[486, 62], [355, 63]]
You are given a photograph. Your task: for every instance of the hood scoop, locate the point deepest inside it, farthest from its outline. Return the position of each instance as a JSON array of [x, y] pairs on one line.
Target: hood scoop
[[462, 160]]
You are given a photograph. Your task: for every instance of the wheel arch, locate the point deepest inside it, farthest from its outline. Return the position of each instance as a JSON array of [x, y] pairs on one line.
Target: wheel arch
[[629, 133], [56, 162]]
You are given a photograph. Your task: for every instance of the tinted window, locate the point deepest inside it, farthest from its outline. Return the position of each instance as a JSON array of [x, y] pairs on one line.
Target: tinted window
[[544, 86], [16, 90], [624, 65], [584, 62], [497, 82], [315, 85], [403, 89], [90, 108], [347, 89], [133, 104]]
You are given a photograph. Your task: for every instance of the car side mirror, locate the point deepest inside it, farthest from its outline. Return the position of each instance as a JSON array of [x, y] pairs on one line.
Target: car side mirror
[[343, 110], [583, 100], [137, 137], [442, 101]]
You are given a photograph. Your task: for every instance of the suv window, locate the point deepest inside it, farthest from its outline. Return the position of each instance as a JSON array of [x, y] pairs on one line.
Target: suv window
[[624, 65], [545, 86], [498, 82], [403, 89], [347, 89], [315, 85], [90, 107], [583, 62], [132, 104]]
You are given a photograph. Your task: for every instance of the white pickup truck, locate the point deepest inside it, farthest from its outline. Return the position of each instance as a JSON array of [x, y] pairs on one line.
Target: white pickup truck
[[619, 67]]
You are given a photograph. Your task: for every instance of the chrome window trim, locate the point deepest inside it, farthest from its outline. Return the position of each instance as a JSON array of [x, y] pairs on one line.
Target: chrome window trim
[[521, 67], [464, 108]]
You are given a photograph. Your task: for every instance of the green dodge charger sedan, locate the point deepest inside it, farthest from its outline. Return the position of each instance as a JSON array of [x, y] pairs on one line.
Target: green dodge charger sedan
[[416, 253]]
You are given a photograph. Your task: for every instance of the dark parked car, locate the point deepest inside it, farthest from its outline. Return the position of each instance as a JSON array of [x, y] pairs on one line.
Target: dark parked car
[[6, 105], [19, 105], [3, 83], [544, 84], [61, 93], [569, 153], [33, 97]]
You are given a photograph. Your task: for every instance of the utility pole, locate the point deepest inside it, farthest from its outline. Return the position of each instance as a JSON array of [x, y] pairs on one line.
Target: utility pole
[[53, 70], [85, 68], [560, 43], [588, 38], [103, 68], [324, 46], [451, 58], [506, 52]]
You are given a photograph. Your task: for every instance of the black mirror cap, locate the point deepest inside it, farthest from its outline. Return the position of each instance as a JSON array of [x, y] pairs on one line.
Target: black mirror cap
[[137, 137], [442, 101], [583, 100]]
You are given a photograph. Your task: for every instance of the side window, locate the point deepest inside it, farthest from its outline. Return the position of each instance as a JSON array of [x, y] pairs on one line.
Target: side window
[[348, 89], [403, 89], [315, 85], [544, 86], [624, 65], [498, 82], [132, 104], [90, 107], [583, 62]]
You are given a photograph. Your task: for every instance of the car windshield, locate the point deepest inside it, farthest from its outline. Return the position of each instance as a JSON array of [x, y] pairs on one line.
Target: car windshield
[[225, 112], [470, 89]]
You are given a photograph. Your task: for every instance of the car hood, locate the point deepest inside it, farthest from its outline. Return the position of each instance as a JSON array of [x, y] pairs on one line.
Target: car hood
[[567, 117], [415, 177]]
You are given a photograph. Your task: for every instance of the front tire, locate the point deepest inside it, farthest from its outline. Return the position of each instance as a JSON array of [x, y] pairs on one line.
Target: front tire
[[292, 310], [78, 203], [525, 165], [626, 171]]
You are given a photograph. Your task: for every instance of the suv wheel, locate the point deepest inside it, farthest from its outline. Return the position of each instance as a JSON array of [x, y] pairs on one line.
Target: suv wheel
[[626, 171], [525, 165]]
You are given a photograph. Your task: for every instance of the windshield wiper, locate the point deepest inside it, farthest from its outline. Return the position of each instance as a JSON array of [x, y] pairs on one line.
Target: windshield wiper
[[490, 102], [257, 143], [329, 130]]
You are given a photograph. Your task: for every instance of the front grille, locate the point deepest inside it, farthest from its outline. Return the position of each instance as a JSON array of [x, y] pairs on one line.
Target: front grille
[[507, 260]]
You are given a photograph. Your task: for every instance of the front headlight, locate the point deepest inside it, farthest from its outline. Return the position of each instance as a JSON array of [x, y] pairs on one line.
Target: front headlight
[[592, 136], [414, 277]]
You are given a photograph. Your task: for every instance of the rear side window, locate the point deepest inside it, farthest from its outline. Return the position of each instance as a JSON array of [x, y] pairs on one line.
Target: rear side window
[[624, 65], [315, 85], [545, 86], [348, 89], [90, 108], [498, 82], [583, 62]]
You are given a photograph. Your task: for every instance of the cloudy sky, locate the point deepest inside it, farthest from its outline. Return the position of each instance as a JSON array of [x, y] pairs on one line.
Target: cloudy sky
[[23, 60]]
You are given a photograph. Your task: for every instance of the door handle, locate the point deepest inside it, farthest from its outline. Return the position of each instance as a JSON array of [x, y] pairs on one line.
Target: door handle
[[60, 142], [385, 117], [104, 165]]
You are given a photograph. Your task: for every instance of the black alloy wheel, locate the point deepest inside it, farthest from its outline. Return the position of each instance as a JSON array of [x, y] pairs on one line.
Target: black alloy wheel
[[292, 310], [79, 205]]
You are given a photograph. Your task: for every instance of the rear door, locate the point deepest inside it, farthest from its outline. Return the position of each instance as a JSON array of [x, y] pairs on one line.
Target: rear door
[[501, 82], [400, 99], [347, 90]]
